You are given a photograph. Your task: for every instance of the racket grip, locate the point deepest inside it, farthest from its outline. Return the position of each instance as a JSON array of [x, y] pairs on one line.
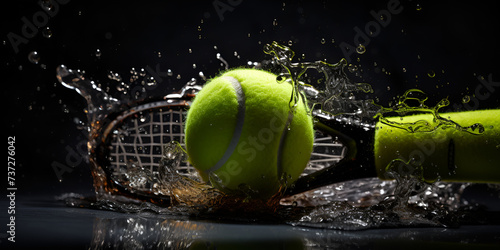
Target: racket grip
[[445, 154]]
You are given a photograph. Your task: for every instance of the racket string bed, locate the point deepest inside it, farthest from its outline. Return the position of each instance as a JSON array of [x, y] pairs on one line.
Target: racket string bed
[[127, 138], [137, 144], [326, 152]]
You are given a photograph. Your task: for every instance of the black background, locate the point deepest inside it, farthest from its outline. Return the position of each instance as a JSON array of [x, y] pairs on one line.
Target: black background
[[458, 41]]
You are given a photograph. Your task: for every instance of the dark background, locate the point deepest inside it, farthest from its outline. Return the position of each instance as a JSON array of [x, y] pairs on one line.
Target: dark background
[[456, 41]]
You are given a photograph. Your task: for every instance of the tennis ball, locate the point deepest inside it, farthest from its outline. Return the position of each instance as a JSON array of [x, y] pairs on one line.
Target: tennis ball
[[447, 153], [241, 134]]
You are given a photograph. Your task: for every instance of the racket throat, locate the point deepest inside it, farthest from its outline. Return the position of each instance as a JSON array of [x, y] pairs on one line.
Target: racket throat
[[358, 161]]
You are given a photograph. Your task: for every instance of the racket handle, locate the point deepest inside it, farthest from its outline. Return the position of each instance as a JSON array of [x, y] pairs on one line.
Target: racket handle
[[445, 154]]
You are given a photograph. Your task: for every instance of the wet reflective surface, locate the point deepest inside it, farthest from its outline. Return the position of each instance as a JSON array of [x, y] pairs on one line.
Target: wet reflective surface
[[43, 222]]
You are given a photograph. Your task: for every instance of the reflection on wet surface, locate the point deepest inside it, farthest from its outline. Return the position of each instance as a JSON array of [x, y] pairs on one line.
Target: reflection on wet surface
[[46, 222]]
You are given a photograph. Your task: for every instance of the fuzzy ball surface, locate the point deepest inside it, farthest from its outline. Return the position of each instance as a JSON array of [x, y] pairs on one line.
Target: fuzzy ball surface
[[242, 135]]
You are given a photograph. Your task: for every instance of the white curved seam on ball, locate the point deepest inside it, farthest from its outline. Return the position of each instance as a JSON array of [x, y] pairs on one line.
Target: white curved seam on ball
[[279, 163], [240, 120]]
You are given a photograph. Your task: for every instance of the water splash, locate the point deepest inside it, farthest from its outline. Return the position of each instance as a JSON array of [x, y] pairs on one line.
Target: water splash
[[183, 190], [335, 95], [99, 102], [164, 189], [372, 203], [413, 102]]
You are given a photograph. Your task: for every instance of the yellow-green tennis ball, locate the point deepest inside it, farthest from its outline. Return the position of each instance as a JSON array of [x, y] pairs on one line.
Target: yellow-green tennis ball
[[447, 153], [241, 135]]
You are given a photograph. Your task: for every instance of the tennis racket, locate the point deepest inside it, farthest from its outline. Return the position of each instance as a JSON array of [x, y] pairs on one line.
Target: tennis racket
[[127, 144]]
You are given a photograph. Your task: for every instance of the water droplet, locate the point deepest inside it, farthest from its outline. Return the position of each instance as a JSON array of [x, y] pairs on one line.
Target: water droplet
[[223, 62], [34, 57], [281, 78], [361, 49], [466, 99], [178, 76], [194, 66], [142, 72], [46, 4], [114, 76], [431, 74], [352, 68], [65, 109], [323, 41], [159, 54], [47, 32], [202, 75], [98, 53], [169, 72], [150, 82], [419, 7], [290, 42]]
